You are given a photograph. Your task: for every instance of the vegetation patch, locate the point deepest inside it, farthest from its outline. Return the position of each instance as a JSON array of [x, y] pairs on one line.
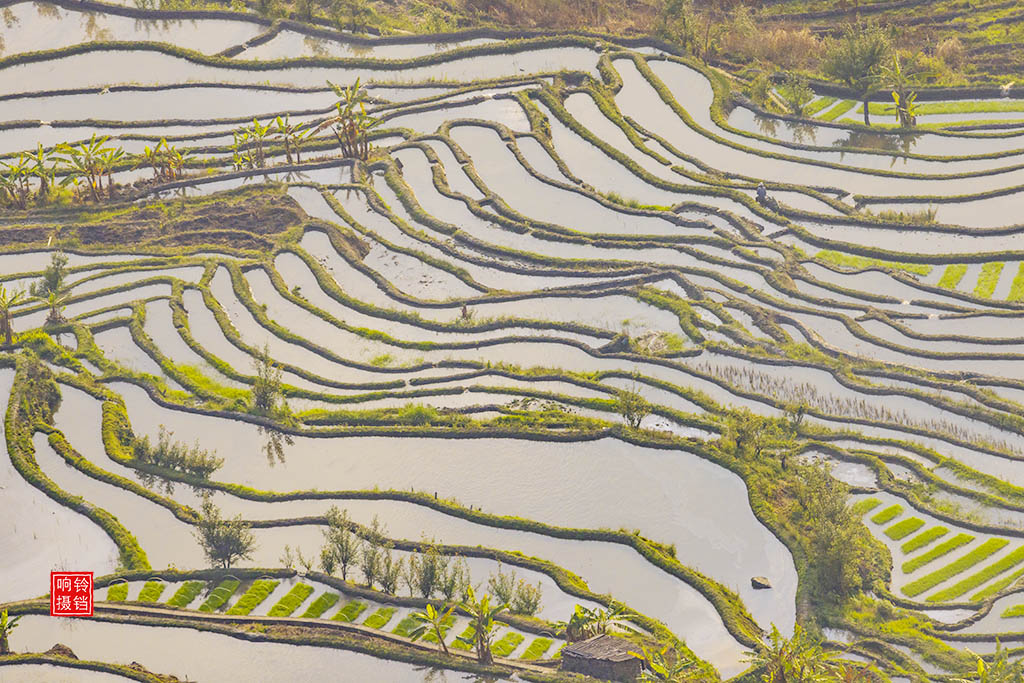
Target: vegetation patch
[[988, 279], [952, 276], [257, 593], [117, 593], [291, 601], [986, 549], [996, 586], [380, 618], [186, 593], [862, 507], [861, 262], [220, 595], [151, 592], [323, 603], [888, 514], [935, 553], [467, 634], [537, 649], [924, 538], [904, 528], [507, 644], [351, 611], [1004, 564], [1017, 288]]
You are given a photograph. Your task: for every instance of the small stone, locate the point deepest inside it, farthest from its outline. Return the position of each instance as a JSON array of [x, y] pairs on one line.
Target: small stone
[[760, 582]]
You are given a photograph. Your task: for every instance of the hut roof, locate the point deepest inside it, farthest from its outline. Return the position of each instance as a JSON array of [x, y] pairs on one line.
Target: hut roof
[[604, 647]]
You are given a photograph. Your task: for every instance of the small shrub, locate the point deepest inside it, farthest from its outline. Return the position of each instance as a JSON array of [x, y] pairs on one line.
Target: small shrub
[[951, 52], [526, 599]]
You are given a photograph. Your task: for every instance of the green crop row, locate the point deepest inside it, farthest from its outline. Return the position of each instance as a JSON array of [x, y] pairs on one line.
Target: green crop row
[[904, 528], [818, 105], [993, 570], [952, 276], [988, 279], [152, 591], [449, 621], [838, 110], [888, 514], [923, 539], [862, 507], [291, 601], [321, 605], [186, 594], [406, 626], [350, 611], [380, 618], [1017, 288], [986, 549], [507, 644], [537, 649], [860, 262], [117, 593], [219, 595], [935, 553], [257, 593], [468, 634], [996, 586]]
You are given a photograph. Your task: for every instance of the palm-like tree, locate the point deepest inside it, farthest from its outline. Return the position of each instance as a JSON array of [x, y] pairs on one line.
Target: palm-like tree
[[431, 620], [88, 161], [799, 659], [585, 622], [352, 124], [998, 670], [15, 181], [109, 158], [7, 624], [9, 300], [39, 159], [899, 80], [55, 301], [482, 619]]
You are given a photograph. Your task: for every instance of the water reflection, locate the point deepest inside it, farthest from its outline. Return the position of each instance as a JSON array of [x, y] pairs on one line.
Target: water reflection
[[274, 442], [902, 141]]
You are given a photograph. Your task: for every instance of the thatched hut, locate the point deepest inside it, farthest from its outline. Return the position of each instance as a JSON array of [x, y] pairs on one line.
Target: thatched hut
[[603, 656]]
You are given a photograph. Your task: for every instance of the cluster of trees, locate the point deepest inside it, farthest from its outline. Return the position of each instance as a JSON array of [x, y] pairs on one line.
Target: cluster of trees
[[224, 541], [49, 289], [176, 455], [41, 175], [346, 15]]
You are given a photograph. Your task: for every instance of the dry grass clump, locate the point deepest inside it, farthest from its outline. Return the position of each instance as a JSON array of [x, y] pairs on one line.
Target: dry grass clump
[[951, 52]]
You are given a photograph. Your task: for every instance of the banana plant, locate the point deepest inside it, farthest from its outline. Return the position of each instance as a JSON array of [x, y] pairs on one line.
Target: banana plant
[[352, 124], [293, 136], [16, 181], [431, 620], [40, 170], [7, 624], [86, 161], [109, 158], [55, 301], [8, 300]]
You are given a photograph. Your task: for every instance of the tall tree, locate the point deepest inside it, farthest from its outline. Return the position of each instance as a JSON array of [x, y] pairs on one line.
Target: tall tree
[[341, 541], [8, 300], [856, 59], [224, 541]]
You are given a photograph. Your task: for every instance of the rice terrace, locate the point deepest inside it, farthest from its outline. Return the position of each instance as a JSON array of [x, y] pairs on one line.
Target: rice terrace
[[493, 340]]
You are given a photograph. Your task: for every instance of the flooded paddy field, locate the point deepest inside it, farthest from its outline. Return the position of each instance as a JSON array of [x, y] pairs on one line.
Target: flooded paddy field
[[529, 333]]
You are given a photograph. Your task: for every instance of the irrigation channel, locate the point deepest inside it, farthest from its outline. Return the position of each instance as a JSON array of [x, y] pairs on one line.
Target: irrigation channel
[[542, 226]]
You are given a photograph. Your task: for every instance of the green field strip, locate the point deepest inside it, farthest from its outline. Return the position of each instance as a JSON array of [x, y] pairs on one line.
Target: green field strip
[[818, 105], [507, 645], [988, 279], [996, 586], [323, 603], [1017, 288], [118, 592], [406, 625], [838, 110], [1015, 611], [291, 600], [948, 107], [924, 538], [952, 276], [536, 649], [888, 514], [865, 506], [151, 592], [380, 618], [350, 612], [219, 595], [1003, 564], [468, 633], [935, 553], [446, 625], [860, 262], [186, 593], [904, 528], [257, 593], [986, 549]]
